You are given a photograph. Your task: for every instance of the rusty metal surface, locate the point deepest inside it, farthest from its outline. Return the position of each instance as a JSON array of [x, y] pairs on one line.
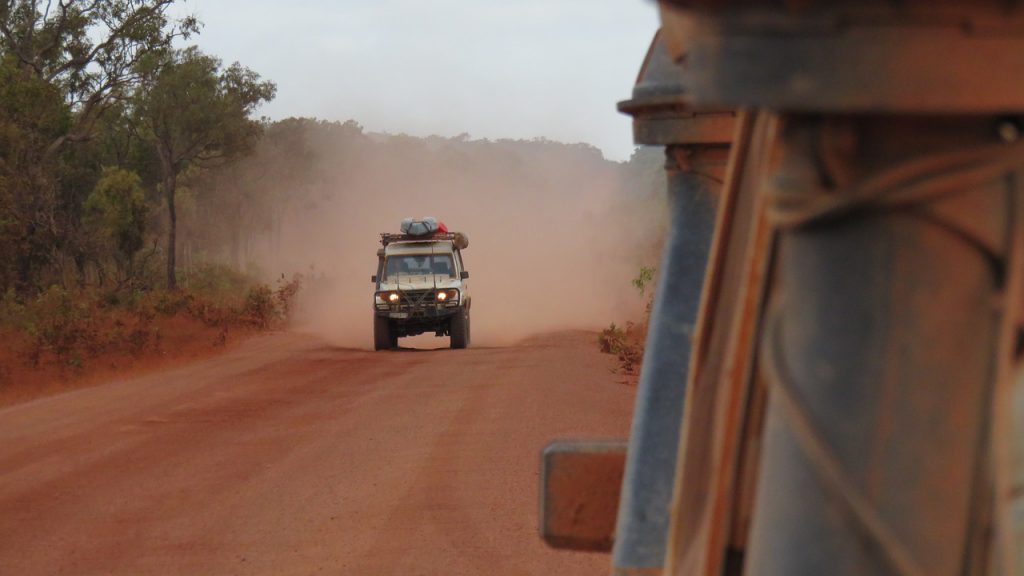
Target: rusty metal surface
[[827, 16], [831, 56], [580, 484], [734, 408], [662, 114], [696, 157], [1015, 508], [720, 380], [647, 489], [881, 354], [683, 126], [1006, 423], [896, 315], [961, 10], [632, 571], [872, 431]]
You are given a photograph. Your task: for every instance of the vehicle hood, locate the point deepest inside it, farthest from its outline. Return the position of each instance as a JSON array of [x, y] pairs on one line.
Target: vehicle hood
[[421, 283]]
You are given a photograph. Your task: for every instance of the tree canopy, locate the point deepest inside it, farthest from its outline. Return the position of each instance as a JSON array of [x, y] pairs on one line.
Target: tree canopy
[[91, 51], [195, 115]]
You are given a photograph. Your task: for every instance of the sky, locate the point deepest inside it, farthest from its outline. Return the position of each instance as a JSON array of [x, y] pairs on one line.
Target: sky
[[517, 69]]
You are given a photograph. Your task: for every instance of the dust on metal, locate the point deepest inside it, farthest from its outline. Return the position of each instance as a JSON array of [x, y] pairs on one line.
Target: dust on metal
[[580, 484]]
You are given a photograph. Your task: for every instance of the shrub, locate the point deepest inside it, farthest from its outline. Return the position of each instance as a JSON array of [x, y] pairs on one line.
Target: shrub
[[63, 324], [212, 313], [12, 311], [285, 295], [271, 308], [612, 339], [116, 211], [71, 327], [644, 279], [259, 306], [217, 282], [144, 334], [615, 340], [168, 303]]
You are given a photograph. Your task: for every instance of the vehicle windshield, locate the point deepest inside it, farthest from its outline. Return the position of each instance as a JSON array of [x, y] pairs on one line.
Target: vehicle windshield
[[419, 265]]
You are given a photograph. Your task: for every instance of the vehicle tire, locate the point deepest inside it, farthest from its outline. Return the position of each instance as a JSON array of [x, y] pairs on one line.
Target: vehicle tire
[[459, 330], [383, 339]]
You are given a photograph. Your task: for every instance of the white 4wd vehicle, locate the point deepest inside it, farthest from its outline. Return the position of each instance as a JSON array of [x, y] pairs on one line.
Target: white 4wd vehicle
[[421, 286]]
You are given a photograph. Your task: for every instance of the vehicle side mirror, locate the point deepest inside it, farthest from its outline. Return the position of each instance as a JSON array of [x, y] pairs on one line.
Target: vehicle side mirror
[[580, 485], [373, 278], [464, 275]]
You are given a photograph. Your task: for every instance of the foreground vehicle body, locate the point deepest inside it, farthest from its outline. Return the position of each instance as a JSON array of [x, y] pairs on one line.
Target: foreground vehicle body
[[848, 401], [421, 287]]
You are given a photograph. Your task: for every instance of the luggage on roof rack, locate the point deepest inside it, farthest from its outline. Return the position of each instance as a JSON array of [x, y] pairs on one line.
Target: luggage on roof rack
[[458, 239], [420, 226]]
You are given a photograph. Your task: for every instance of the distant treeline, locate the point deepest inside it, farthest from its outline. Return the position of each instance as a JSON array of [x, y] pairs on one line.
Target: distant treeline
[[124, 161]]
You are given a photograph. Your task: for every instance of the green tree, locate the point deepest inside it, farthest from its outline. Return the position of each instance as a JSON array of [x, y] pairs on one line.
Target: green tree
[[89, 50], [116, 212], [196, 115], [32, 114], [63, 65]]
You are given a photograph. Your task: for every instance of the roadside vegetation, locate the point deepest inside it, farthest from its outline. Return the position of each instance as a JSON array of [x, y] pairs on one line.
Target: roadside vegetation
[[627, 343], [109, 133], [644, 177], [71, 329]]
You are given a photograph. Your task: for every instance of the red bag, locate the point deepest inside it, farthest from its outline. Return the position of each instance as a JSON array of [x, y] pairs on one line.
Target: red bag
[[442, 228]]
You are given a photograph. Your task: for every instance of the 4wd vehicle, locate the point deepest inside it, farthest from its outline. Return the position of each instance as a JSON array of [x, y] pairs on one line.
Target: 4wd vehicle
[[421, 286]]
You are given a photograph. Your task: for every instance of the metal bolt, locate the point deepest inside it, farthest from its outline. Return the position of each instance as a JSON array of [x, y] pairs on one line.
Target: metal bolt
[[1009, 131]]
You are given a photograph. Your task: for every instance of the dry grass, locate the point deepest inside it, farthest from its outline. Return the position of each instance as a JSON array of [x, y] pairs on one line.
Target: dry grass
[[69, 329]]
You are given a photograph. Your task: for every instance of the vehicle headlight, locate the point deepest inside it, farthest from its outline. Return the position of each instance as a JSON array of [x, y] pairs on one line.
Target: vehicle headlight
[[447, 296], [388, 297]]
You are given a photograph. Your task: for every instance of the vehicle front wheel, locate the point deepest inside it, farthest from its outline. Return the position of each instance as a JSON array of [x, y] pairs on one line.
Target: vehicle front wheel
[[383, 336], [459, 330]]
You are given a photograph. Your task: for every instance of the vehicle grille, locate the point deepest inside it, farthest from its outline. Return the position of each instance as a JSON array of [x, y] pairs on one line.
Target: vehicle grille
[[417, 297]]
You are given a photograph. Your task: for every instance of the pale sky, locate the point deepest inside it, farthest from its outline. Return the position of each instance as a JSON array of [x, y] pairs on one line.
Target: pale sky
[[491, 68]]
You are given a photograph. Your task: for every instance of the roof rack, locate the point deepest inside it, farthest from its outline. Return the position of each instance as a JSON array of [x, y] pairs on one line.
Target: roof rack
[[388, 238], [459, 240]]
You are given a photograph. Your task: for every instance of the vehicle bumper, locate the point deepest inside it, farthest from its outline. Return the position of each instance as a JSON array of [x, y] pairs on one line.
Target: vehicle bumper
[[402, 314]]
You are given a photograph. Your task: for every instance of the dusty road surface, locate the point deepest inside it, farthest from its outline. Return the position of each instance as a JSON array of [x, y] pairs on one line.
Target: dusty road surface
[[289, 456]]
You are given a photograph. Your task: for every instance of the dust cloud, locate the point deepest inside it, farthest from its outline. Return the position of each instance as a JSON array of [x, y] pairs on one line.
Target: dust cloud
[[555, 234]]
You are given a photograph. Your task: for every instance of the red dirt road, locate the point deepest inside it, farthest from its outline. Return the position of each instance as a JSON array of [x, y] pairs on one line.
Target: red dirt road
[[288, 456]]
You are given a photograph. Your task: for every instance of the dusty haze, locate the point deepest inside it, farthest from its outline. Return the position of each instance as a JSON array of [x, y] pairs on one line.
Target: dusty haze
[[556, 233]]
